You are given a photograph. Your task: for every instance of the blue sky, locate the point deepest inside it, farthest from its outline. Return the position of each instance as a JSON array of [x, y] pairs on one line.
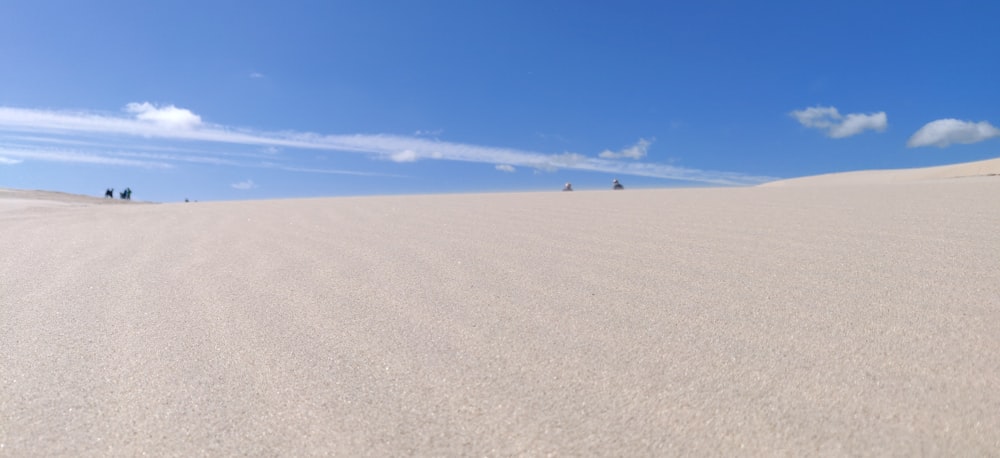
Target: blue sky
[[219, 100]]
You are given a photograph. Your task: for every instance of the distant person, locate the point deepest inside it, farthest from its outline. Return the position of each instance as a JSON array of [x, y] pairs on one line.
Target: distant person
[[616, 185], [568, 187], [109, 193]]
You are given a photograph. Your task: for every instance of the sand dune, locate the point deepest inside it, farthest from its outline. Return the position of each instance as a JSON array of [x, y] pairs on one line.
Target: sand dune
[[17, 199], [806, 320], [989, 167]]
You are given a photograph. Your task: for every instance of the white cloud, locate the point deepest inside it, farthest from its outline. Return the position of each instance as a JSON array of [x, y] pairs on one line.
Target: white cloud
[[568, 160], [160, 127], [404, 156], [288, 168], [636, 151], [818, 117], [428, 133], [256, 75], [50, 155], [244, 185], [168, 116], [854, 124], [7, 161], [944, 132], [506, 168], [197, 159], [840, 126]]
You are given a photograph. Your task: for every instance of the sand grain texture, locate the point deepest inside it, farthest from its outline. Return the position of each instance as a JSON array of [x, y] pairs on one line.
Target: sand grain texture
[[803, 320]]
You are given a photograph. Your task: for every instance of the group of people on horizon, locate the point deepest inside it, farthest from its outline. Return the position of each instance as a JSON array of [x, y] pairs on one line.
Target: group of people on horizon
[[124, 195], [614, 185]]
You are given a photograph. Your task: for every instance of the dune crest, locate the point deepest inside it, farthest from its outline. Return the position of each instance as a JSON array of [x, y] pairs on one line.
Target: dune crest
[[21, 199], [988, 167]]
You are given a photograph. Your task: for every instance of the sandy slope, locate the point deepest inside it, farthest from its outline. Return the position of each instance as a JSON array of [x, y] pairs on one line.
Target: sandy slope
[[19, 200], [804, 320], [989, 167]]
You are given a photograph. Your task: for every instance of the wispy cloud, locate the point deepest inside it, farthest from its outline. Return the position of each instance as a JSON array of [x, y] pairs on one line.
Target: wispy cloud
[[835, 125], [244, 185], [256, 75], [636, 151], [289, 168], [404, 156], [8, 161], [506, 168], [554, 137], [158, 125], [944, 132], [78, 157]]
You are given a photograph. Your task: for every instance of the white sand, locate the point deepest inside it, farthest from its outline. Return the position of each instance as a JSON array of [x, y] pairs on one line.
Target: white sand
[[860, 319], [989, 167]]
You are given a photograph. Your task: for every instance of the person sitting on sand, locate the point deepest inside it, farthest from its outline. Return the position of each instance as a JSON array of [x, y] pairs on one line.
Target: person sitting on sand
[[568, 187], [109, 193], [616, 185]]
